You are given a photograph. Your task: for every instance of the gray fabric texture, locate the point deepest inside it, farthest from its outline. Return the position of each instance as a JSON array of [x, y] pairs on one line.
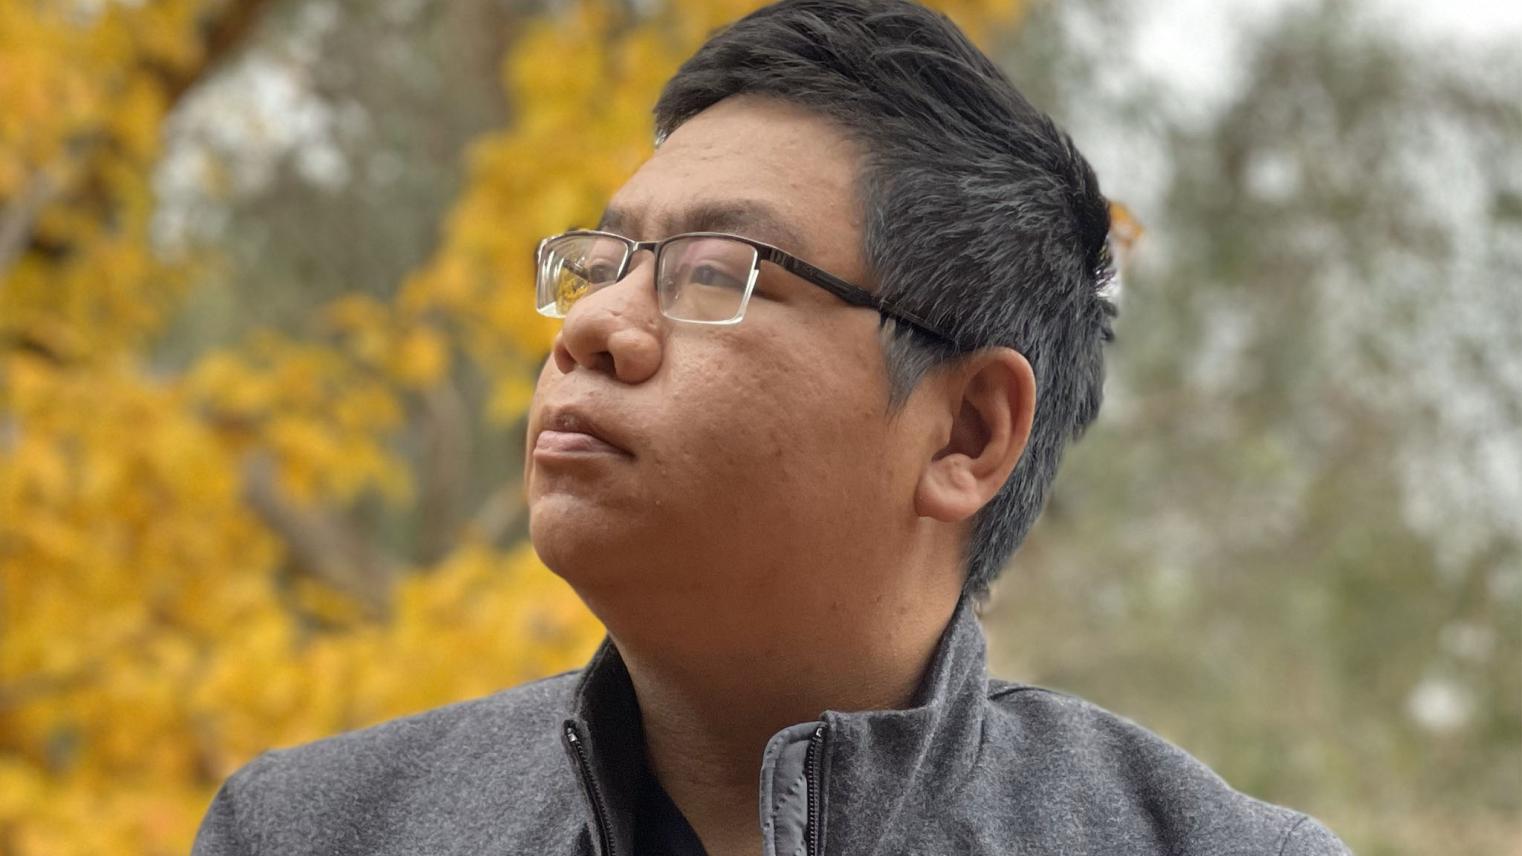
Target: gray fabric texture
[[784, 792], [974, 765]]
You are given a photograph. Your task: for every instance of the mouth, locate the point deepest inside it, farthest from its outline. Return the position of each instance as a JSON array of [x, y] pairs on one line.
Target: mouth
[[554, 443], [567, 433]]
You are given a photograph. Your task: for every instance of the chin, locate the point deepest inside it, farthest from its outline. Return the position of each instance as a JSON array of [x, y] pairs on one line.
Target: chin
[[606, 561], [586, 549]]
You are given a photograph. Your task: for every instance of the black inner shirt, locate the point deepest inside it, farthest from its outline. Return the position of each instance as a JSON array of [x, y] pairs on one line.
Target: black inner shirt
[[660, 829]]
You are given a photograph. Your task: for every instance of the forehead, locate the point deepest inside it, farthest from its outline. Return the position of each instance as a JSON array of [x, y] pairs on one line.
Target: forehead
[[748, 164]]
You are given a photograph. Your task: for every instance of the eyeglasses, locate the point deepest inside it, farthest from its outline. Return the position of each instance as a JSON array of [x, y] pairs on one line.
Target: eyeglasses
[[700, 277]]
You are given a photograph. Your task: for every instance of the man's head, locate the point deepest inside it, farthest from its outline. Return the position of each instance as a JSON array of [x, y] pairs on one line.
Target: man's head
[[816, 445]]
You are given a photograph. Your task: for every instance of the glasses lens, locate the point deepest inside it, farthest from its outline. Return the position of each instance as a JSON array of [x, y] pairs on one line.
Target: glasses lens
[[705, 279], [571, 266]]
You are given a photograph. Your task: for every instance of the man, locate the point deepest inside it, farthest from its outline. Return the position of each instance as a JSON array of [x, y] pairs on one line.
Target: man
[[817, 366]]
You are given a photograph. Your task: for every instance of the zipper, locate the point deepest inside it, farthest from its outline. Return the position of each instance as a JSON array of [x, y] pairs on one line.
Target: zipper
[[600, 814], [812, 783]]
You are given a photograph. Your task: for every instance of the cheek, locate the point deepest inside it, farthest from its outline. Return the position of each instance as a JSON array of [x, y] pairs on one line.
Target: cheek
[[786, 430]]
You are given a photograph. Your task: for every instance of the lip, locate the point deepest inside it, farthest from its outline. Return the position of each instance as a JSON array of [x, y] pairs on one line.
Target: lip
[[558, 443], [567, 432]]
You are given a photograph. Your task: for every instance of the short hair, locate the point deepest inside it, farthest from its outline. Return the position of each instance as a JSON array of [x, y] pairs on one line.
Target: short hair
[[980, 213]]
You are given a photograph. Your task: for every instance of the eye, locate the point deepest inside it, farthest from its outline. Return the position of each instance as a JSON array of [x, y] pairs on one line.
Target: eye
[[601, 271], [715, 276]]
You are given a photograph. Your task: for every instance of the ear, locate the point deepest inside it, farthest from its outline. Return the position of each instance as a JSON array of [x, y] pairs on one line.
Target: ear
[[989, 403]]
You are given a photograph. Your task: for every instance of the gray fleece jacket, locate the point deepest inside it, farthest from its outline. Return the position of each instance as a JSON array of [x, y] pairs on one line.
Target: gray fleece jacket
[[976, 765]]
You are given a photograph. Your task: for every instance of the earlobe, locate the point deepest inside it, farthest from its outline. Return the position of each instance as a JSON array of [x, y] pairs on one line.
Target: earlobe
[[990, 405], [947, 490]]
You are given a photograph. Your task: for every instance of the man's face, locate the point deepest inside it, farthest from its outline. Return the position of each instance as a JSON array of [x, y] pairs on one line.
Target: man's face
[[757, 457]]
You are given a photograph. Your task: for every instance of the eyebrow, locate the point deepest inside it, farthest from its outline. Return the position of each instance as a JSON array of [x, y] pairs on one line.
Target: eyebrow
[[751, 219]]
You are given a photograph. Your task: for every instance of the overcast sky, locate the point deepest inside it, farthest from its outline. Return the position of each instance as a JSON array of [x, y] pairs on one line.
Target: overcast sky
[[1191, 42]]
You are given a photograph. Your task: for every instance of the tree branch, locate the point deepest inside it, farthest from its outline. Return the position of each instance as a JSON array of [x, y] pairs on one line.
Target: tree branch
[[499, 516], [321, 543], [445, 468], [20, 215], [226, 34], [19, 218]]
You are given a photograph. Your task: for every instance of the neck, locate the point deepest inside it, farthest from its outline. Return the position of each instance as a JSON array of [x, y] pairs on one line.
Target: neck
[[713, 692]]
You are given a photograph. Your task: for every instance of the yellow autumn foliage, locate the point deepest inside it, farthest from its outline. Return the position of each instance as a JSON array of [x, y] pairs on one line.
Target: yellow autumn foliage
[[157, 629]]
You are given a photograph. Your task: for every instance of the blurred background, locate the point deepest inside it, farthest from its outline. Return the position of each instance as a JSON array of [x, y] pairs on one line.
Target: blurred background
[[266, 342]]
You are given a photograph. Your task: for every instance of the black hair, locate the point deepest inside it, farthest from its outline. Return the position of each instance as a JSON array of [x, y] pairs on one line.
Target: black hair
[[980, 214]]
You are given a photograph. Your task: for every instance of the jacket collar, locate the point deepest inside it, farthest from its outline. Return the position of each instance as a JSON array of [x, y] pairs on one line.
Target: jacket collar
[[605, 719], [884, 765], [875, 765]]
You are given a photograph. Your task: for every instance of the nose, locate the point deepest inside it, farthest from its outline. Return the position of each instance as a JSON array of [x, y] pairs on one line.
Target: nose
[[615, 330]]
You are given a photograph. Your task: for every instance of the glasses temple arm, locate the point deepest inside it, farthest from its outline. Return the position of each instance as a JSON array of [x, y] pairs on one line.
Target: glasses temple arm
[[852, 294]]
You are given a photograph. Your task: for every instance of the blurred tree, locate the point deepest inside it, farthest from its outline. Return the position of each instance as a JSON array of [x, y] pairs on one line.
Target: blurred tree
[[85, 86], [322, 161], [192, 567], [1291, 543]]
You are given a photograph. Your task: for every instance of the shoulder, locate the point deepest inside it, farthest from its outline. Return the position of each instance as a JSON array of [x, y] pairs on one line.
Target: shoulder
[[509, 724], [1145, 788], [401, 780]]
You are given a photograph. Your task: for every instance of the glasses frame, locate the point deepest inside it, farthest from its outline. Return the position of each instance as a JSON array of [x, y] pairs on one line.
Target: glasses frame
[[852, 294]]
